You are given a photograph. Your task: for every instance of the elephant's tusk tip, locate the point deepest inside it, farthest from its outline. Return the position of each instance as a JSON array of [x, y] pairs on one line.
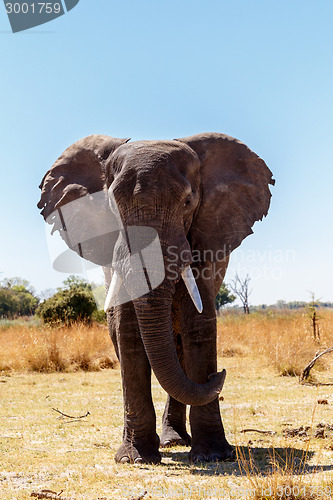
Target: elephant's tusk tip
[[192, 288]]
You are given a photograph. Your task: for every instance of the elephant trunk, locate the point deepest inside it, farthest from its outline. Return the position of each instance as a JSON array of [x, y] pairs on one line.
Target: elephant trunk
[[154, 317]]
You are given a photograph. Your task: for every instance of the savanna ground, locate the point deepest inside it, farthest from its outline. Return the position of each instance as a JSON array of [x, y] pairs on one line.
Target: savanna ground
[[286, 451]]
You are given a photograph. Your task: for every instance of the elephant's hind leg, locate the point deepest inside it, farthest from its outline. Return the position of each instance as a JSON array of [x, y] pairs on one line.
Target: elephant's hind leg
[[174, 425], [140, 441]]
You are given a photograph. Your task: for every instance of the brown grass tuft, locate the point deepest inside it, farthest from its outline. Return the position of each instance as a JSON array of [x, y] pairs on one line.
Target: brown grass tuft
[[282, 340], [52, 349], [285, 340], [286, 478]]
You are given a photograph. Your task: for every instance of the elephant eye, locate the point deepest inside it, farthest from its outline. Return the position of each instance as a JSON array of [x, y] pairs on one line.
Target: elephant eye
[[188, 201]]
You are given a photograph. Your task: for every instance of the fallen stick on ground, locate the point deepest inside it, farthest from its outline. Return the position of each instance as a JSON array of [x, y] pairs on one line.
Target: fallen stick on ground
[[270, 433], [50, 495], [69, 416], [306, 372], [139, 497]]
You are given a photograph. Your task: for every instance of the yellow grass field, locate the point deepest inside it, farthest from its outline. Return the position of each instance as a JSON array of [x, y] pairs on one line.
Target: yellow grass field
[[49, 349], [282, 429]]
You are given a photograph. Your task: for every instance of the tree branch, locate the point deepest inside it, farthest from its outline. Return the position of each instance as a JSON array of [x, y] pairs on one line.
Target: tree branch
[[69, 416], [50, 495], [306, 372], [270, 433]]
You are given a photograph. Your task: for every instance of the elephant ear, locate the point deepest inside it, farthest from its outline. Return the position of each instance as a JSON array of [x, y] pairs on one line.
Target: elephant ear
[[235, 193], [73, 199]]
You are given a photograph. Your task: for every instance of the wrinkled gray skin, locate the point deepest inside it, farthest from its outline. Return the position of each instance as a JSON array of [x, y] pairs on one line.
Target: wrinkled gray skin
[[199, 193]]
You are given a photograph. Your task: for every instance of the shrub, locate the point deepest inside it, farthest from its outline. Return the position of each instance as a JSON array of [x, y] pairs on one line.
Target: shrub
[[16, 299], [8, 303], [69, 305], [223, 297], [99, 316]]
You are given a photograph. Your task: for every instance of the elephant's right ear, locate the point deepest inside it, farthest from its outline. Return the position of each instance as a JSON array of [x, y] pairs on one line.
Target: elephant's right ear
[[73, 199], [234, 193]]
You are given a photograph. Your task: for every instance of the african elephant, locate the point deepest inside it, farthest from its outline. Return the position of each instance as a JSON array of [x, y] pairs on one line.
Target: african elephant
[[201, 195]]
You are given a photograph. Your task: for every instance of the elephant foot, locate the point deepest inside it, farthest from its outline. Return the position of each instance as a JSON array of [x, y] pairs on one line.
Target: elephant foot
[[209, 443], [212, 452], [174, 437], [138, 454], [174, 425]]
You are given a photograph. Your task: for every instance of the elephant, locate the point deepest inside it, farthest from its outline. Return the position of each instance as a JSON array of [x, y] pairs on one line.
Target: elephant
[[201, 196]]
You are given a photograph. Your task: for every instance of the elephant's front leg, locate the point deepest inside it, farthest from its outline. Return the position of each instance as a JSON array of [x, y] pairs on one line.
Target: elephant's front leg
[[199, 345], [140, 441]]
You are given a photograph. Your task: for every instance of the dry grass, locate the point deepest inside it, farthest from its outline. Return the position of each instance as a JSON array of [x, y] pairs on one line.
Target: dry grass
[[282, 339], [286, 479], [26, 347], [40, 450]]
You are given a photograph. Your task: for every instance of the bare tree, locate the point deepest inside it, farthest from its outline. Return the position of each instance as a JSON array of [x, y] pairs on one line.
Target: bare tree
[[312, 311], [241, 288]]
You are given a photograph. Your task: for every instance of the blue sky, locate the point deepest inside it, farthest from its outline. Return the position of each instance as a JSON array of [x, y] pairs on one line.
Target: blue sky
[[258, 70]]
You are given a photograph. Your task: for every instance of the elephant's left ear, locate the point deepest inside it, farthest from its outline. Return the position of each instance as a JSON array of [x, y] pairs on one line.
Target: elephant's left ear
[[73, 200], [235, 193], [79, 171]]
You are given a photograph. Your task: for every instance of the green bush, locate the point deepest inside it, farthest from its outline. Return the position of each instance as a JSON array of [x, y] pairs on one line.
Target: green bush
[[99, 316], [223, 297], [74, 303], [8, 303], [16, 299]]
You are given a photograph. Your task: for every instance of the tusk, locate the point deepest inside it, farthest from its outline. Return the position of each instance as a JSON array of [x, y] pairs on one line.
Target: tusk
[[192, 288], [114, 287]]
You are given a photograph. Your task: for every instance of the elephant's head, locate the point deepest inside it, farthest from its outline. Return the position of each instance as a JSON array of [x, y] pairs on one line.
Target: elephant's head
[[199, 194]]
